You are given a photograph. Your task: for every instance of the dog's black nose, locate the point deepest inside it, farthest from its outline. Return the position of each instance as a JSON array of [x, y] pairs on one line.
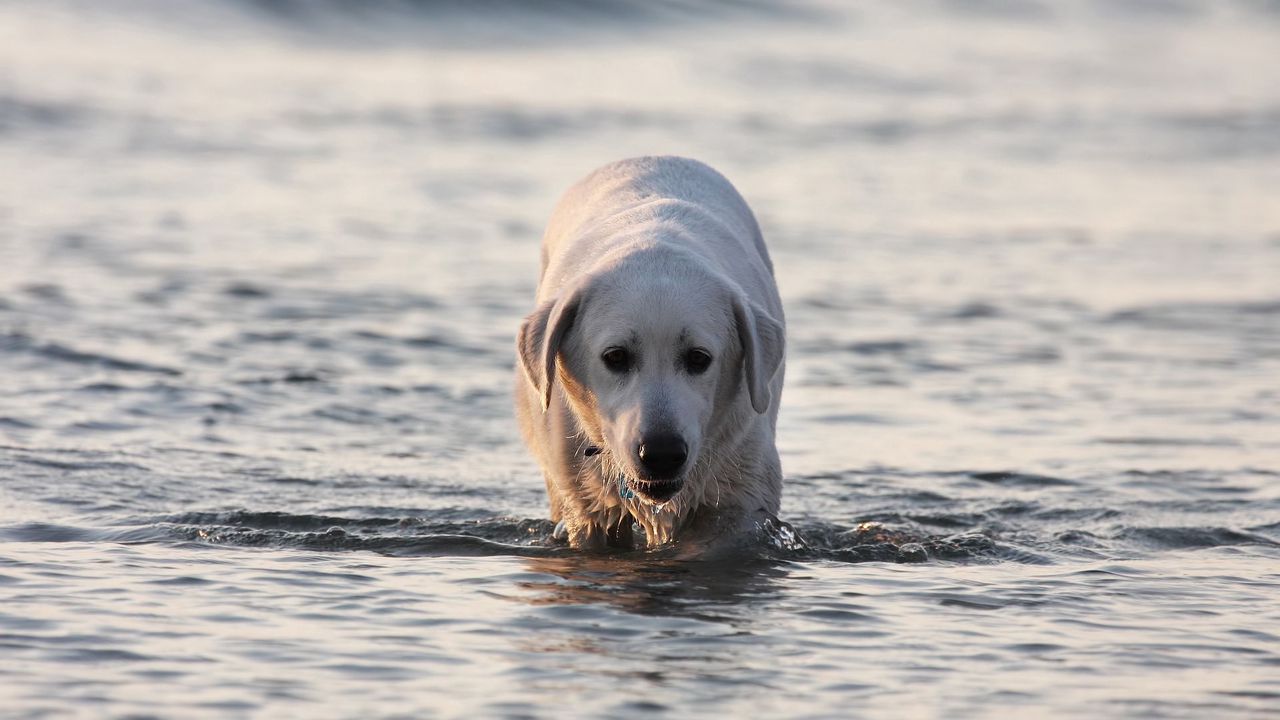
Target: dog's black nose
[[662, 456]]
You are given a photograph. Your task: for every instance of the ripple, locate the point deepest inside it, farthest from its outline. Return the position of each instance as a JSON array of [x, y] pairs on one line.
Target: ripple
[[1169, 441], [408, 536], [498, 536], [20, 342], [1016, 479], [24, 113], [1173, 538]]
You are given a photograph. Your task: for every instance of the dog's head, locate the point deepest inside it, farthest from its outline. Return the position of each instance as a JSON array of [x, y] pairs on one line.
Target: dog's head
[[652, 356]]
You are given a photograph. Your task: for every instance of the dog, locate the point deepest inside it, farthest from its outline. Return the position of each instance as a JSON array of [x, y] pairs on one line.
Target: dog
[[651, 369]]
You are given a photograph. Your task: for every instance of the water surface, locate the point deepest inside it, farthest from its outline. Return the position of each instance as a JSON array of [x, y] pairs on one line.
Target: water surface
[[261, 265]]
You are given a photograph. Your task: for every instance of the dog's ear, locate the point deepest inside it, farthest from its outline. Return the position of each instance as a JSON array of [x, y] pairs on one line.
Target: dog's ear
[[539, 340], [763, 347]]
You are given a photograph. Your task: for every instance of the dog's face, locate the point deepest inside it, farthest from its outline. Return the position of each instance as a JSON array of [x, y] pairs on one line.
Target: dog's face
[[649, 362], [644, 366]]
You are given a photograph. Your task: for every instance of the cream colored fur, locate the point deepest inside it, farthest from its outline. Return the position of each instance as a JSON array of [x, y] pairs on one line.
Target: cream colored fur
[[657, 254]]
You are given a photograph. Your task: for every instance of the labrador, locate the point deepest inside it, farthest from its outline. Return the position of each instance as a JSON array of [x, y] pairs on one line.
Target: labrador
[[651, 369]]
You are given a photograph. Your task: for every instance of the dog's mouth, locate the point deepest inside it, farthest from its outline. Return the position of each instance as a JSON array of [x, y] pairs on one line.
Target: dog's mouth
[[655, 491]]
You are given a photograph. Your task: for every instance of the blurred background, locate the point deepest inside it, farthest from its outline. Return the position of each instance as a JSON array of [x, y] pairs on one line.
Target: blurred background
[[1023, 200], [262, 264]]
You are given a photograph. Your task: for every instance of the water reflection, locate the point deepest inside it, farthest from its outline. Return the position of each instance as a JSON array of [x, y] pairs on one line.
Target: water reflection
[[649, 628], [711, 591]]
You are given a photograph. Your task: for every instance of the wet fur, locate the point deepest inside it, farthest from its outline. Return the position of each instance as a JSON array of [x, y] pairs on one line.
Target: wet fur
[[658, 247]]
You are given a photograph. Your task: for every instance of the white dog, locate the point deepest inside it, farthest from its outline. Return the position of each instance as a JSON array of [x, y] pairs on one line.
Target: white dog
[[651, 370]]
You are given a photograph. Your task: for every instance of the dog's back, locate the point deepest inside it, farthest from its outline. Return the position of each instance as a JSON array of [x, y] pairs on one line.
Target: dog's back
[[663, 197]]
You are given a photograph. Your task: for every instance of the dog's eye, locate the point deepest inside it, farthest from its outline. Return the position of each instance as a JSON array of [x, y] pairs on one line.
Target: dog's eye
[[697, 361], [616, 359]]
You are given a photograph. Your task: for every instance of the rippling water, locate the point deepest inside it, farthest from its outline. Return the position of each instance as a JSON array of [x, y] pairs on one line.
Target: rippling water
[[261, 265]]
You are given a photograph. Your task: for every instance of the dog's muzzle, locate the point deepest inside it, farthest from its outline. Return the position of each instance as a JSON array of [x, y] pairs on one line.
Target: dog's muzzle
[[662, 459]]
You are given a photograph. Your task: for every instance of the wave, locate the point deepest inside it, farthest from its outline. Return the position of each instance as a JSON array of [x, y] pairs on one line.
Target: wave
[[451, 535], [576, 11], [442, 23], [18, 342]]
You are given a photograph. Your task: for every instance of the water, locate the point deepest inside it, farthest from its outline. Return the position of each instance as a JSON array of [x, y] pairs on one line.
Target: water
[[261, 265]]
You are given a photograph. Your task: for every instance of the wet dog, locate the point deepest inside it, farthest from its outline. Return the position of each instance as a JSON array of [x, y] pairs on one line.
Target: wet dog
[[651, 369]]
